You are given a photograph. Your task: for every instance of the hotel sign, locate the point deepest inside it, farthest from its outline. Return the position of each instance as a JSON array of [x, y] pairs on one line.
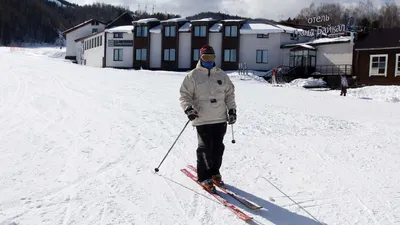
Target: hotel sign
[[335, 29], [120, 43]]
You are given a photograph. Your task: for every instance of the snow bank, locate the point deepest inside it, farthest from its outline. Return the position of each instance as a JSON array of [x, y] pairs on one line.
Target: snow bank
[[380, 93], [309, 82], [251, 75]]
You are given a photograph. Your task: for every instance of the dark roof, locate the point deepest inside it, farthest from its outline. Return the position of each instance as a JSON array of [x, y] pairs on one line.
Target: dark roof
[[82, 24], [379, 38], [124, 19]]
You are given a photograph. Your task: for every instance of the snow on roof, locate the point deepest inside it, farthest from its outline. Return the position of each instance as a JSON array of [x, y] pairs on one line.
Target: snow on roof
[[321, 41], [331, 40], [125, 29], [234, 20], [148, 20], [175, 20], [203, 20], [306, 46], [216, 27], [259, 28], [185, 27], [288, 29], [156, 30]]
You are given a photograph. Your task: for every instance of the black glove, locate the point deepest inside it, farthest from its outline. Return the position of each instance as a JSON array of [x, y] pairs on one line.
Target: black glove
[[191, 113], [232, 116]]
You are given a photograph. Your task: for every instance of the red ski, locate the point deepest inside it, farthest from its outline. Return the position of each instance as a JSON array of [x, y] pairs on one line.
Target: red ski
[[239, 198], [221, 199]]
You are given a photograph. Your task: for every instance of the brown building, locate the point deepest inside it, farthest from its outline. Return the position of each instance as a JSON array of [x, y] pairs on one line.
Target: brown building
[[376, 57], [200, 36], [141, 42], [231, 44], [170, 43]]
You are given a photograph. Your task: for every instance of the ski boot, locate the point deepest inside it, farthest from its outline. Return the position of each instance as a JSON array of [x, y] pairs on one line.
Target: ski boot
[[208, 185], [217, 179]]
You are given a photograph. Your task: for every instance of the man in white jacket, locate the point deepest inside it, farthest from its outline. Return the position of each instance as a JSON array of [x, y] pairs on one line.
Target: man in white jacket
[[207, 96]]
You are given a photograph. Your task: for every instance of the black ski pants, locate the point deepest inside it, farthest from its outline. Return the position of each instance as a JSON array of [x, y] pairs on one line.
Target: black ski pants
[[210, 149], [344, 91]]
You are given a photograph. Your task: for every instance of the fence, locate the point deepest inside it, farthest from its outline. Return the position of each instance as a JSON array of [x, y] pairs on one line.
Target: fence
[[330, 70], [242, 68]]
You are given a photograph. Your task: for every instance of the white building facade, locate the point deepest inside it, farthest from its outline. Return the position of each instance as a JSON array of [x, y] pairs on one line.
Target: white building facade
[[119, 47], [84, 29]]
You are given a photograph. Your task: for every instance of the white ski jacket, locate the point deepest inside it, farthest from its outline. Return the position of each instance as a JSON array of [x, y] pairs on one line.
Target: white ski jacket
[[210, 92]]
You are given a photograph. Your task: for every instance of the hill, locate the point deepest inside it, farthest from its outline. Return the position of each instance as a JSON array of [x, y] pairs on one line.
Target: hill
[[79, 146]]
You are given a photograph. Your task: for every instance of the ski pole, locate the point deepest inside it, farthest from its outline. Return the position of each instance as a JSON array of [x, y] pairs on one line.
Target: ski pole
[[292, 200], [157, 169], [233, 136]]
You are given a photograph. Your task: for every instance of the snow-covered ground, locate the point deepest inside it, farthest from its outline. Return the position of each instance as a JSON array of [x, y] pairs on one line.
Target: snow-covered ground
[[79, 146]]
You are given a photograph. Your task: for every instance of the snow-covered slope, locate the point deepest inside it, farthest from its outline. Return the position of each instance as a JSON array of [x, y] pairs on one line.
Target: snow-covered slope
[[79, 146]]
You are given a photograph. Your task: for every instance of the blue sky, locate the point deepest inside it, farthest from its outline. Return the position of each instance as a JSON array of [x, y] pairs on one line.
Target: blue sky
[[270, 9]]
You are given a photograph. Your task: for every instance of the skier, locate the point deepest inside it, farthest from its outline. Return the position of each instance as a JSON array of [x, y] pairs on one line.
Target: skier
[[207, 97], [344, 85]]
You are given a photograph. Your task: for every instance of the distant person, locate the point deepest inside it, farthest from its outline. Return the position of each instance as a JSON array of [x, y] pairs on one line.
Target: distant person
[[344, 84], [207, 96]]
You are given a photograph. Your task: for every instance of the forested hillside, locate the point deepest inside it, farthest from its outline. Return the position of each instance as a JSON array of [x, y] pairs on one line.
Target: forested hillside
[[43, 20]]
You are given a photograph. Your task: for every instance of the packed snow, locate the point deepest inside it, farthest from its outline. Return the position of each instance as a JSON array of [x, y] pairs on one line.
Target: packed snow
[[79, 146]]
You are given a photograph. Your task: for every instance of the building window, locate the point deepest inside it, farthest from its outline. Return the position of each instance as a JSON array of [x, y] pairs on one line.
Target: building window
[[230, 55], [169, 54], [231, 31], [170, 31], [118, 54], [262, 56], [196, 54], [378, 65], [101, 40], [118, 35], [141, 31], [262, 35], [94, 30], [141, 54], [200, 31], [397, 70]]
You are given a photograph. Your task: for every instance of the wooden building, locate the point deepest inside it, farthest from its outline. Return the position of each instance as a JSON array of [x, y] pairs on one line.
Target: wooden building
[[141, 42], [376, 57]]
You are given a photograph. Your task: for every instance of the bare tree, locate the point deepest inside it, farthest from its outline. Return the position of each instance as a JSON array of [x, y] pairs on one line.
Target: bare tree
[[389, 15]]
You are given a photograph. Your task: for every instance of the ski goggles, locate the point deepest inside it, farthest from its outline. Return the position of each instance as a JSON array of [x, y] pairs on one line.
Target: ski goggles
[[208, 57]]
